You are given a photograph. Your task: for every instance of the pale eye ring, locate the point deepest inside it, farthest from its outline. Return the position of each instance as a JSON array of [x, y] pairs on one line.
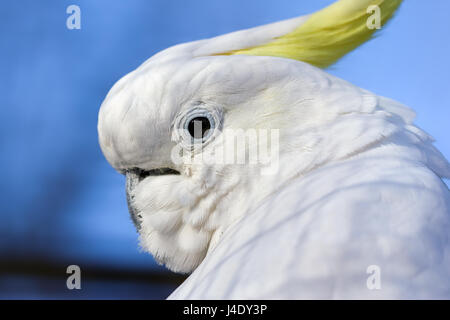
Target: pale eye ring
[[197, 126]]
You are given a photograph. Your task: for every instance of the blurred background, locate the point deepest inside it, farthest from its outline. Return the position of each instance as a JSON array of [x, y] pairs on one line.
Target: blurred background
[[60, 201]]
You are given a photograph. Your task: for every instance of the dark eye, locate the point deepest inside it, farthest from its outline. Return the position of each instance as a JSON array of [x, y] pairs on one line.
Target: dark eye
[[199, 127]]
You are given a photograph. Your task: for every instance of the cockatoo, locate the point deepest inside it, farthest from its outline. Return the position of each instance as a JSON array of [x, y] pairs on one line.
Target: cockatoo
[[350, 205]]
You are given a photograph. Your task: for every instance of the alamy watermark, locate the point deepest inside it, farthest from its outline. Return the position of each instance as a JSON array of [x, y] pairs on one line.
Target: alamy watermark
[[374, 20], [74, 280], [258, 147], [74, 20], [373, 282]]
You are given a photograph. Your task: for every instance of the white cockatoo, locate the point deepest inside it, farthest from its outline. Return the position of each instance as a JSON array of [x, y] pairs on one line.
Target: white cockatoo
[[348, 202]]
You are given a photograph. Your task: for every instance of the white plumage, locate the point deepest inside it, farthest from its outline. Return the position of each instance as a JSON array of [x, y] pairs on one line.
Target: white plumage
[[358, 184]]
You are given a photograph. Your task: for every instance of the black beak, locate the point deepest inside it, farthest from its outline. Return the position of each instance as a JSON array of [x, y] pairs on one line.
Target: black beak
[[132, 180]]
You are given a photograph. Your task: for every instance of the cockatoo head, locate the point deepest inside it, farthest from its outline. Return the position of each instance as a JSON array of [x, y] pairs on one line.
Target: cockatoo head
[[171, 125]]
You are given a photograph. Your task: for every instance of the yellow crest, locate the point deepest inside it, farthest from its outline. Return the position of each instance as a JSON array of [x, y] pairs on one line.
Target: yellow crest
[[328, 34]]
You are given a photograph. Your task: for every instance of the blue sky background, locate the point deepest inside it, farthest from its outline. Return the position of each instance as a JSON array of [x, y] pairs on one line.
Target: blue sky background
[[59, 197]]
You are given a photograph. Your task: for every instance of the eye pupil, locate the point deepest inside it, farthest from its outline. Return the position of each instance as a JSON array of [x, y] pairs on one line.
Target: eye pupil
[[199, 127]]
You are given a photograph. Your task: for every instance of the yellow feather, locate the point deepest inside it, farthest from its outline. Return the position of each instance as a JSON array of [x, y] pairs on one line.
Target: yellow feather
[[328, 34]]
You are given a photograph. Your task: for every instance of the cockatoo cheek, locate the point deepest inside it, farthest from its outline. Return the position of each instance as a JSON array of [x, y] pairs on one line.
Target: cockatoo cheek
[[162, 203]]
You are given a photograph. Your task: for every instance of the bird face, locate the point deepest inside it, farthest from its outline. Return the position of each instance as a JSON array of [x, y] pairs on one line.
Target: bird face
[[155, 125]]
